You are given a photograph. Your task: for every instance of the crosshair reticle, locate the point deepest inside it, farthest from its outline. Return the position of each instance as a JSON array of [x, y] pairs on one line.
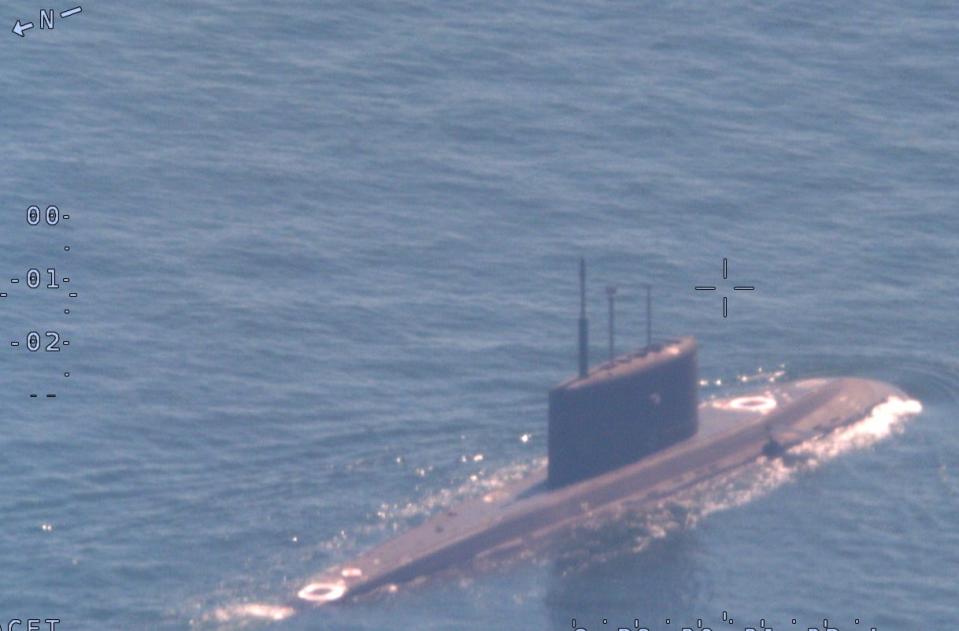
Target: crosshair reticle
[[735, 287]]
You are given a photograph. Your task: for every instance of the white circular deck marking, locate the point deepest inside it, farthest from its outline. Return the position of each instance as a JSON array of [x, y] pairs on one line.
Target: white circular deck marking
[[761, 404], [322, 592]]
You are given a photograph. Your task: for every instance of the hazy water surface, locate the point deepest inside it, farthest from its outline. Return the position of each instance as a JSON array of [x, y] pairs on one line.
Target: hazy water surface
[[325, 256]]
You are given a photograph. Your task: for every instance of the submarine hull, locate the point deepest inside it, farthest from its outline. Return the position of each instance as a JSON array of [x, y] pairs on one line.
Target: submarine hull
[[732, 432]]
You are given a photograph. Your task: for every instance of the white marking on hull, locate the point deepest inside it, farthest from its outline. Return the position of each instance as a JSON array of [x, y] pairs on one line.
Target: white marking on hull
[[761, 404], [322, 593]]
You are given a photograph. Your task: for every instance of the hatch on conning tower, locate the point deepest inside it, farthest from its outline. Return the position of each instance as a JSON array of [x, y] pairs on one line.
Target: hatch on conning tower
[[621, 410]]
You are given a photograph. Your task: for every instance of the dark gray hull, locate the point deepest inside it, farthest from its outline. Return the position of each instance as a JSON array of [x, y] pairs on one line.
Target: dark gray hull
[[733, 432]]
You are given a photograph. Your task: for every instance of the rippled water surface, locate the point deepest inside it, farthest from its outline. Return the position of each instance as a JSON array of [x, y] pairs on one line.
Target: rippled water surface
[[325, 257]]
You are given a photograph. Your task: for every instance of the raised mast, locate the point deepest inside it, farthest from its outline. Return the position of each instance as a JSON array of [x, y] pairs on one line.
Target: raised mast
[[583, 322]]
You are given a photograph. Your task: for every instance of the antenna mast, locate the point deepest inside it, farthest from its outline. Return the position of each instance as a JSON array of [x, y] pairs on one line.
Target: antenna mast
[[583, 322], [611, 296], [649, 316]]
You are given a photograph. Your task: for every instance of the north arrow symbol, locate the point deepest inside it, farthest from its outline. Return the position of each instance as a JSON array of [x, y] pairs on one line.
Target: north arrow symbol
[[19, 29]]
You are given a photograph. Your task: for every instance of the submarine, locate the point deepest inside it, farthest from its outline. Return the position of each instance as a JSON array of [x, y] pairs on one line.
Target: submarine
[[628, 431]]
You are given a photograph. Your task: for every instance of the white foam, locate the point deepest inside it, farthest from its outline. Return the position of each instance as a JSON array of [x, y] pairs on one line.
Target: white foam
[[260, 611], [758, 479], [483, 483]]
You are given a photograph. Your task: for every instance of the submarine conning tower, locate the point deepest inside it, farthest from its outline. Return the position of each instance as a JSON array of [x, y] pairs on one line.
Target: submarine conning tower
[[623, 409]]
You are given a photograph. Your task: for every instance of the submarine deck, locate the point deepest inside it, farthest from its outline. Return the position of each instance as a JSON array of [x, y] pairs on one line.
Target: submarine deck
[[732, 433]]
